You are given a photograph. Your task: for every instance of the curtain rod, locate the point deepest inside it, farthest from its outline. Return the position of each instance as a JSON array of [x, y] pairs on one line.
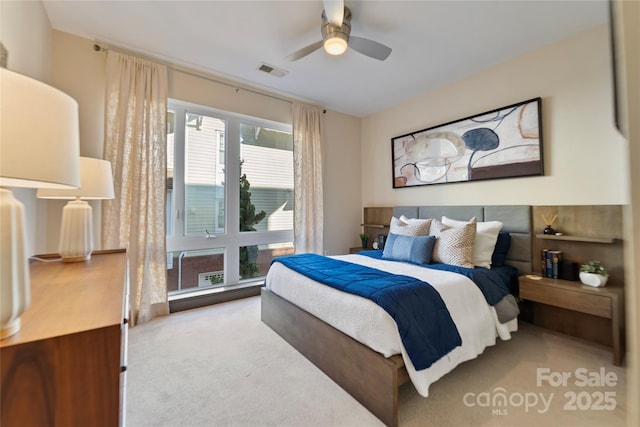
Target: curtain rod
[[99, 48]]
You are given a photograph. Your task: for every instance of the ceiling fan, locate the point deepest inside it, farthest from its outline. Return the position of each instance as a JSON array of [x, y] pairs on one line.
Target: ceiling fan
[[336, 35]]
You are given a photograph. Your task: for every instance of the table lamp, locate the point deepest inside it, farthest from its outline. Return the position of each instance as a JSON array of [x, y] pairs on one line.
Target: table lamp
[[39, 147], [76, 231]]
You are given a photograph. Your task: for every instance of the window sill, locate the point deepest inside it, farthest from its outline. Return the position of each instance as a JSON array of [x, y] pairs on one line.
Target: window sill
[[201, 298]]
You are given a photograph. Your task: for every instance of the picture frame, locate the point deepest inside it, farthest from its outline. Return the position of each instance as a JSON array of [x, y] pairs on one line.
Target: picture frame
[[620, 118], [502, 143]]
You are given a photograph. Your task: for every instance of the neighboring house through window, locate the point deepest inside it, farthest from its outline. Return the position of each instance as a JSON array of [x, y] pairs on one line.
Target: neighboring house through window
[[223, 171]]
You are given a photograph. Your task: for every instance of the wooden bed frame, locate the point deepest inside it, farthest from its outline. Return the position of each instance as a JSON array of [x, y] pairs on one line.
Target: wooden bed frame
[[368, 376]]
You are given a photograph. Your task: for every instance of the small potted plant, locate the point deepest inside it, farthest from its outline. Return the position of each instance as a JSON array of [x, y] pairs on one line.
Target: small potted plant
[[364, 238], [593, 273]]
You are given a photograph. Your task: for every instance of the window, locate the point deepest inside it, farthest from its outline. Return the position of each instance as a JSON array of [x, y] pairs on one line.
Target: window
[[229, 197]]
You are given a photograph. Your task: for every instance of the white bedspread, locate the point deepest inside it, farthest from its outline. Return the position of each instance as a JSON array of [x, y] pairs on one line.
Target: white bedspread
[[368, 323]]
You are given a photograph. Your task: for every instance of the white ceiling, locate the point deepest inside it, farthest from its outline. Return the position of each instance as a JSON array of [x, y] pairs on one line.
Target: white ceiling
[[434, 42]]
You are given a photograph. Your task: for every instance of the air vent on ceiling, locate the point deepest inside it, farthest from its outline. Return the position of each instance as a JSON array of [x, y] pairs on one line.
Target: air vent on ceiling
[[270, 69]]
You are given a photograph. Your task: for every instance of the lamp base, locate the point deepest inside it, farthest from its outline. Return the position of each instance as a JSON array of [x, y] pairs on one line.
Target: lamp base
[[14, 267], [76, 232], [10, 329]]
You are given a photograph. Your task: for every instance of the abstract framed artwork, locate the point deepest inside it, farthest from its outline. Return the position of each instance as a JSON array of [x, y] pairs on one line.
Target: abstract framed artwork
[[501, 143], [617, 65]]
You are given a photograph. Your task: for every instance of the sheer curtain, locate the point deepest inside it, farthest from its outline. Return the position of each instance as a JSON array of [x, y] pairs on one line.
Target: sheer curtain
[[307, 167], [135, 143]]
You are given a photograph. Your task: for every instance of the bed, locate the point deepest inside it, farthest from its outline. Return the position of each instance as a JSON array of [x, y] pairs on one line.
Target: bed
[[357, 344]]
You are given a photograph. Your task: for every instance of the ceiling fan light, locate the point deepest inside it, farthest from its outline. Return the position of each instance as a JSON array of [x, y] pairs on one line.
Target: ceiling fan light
[[335, 45]]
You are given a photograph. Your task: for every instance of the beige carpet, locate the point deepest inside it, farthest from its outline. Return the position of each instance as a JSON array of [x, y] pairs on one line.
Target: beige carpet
[[221, 366]]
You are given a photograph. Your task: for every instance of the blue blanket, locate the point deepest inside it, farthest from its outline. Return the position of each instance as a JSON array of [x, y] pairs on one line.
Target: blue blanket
[[425, 325], [495, 283]]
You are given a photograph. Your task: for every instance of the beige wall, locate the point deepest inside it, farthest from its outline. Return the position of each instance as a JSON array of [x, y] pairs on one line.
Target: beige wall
[[342, 188], [583, 153], [226, 97]]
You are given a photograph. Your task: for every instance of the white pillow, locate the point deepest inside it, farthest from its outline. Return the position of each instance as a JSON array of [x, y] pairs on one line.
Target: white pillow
[[485, 241], [409, 227], [421, 222]]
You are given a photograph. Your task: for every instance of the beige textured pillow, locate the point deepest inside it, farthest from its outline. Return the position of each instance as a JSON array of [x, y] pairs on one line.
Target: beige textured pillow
[[409, 227], [485, 241], [454, 245]]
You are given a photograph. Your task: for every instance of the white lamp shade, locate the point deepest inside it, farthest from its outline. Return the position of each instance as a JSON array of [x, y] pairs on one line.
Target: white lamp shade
[[96, 182], [39, 134]]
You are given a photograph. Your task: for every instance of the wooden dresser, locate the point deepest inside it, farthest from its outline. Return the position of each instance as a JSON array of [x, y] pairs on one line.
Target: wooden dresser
[[66, 365]]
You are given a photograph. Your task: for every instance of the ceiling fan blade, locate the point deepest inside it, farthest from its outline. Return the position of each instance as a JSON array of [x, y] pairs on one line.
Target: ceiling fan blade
[[305, 51], [334, 10], [369, 47]]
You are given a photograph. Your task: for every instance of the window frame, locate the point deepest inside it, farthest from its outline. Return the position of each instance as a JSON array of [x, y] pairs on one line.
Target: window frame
[[231, 239]]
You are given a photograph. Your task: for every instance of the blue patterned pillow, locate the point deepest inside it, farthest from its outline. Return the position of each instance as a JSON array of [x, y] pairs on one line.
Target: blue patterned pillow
[[415, 249]]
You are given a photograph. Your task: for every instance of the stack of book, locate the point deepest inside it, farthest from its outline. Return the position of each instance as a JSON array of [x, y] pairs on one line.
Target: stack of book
[[550, 263]]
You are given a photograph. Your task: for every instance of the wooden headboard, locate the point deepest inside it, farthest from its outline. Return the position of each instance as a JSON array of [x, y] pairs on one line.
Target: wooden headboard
[[516, 220]]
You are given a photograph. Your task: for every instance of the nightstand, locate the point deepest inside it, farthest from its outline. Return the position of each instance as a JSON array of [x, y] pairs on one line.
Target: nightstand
[[604, 302], [356, 249]]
